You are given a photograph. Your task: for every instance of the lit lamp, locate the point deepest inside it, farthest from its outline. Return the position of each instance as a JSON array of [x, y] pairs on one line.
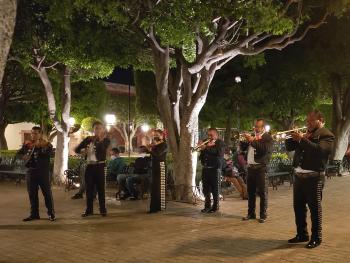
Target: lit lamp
[[238, 79], [267, 128], [110, 120], [145, 127]]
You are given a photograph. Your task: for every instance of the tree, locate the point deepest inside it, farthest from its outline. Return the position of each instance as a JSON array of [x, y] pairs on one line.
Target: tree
[[7, 25], [20, 99], [331, 61], [45, 39], [191, 40]]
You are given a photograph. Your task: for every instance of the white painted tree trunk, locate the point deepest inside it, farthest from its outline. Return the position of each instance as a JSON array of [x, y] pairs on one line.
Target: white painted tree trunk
[[341, 142], [61, 124], [8, 9], [61, 157]]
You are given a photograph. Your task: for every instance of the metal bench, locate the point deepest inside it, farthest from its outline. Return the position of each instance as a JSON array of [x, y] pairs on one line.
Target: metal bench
[[12, 169], [333, 167], [279, 171]]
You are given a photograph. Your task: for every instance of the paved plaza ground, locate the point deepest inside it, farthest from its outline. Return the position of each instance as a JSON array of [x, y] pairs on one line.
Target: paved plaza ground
[[181, 234]]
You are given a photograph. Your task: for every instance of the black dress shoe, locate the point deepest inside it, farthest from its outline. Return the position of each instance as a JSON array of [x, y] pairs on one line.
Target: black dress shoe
[[77, 196], [103, 213], [298, 239], [86, 214], [314, 243], [206, 210], [262, 220], [52, 217], [249, 217], [213, 210], [31, 218]]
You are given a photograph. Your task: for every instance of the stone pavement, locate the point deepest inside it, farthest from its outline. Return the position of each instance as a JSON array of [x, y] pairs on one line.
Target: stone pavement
[[181, 234]]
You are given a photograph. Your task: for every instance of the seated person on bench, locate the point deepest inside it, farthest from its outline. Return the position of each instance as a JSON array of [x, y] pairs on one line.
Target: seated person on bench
[[141, 174], [115, 165]]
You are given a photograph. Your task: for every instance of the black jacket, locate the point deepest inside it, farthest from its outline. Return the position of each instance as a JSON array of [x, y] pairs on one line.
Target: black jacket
[[213, 156], [99, 146], [312, 153], [39, 156], [263, 148]]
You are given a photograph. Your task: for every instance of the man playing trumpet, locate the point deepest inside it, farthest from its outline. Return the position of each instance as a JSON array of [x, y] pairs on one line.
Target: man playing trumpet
[[212, 158], [312, 150], [259, 155]]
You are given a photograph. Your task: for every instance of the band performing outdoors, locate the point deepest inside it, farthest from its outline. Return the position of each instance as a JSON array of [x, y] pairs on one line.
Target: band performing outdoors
[[246, 170]]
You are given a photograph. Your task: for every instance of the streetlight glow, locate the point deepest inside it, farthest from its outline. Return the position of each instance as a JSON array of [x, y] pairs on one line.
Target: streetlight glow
[[238, 79], [110, 119], [145, 127], [267, 128]]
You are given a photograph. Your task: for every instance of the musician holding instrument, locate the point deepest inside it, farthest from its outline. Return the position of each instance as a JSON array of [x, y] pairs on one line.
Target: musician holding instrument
[[158, 150], [36, 153], [96, 148], [258, 157], [212, 159], [312, 150]]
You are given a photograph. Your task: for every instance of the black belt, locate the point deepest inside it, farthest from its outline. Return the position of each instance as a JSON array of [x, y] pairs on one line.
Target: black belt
[[309, 175]]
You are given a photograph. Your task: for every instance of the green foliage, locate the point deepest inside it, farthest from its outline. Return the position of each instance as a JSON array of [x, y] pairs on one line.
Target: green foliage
[[88, 99], [86, 123]]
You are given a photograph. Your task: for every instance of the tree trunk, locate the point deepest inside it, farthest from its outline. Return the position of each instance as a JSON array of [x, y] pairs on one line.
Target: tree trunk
[[7, 24], [62, 125], [229, 123], [341, 116], [61, 157], [3, 142], [341, 142]]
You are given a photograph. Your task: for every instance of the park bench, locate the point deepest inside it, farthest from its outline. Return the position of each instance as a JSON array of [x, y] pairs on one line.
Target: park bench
[[11, 169], [279, 171], [333, 168]]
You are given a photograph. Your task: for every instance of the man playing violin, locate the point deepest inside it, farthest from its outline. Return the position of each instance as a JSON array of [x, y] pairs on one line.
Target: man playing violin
[[212, 159], [310, 159], [36, 153]]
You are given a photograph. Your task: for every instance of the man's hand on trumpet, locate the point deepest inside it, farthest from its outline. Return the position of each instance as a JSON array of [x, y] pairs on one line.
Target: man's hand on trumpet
[[248, 137], [297, 136]]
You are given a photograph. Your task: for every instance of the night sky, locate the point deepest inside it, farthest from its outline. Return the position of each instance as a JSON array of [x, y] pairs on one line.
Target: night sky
[[122, 76]]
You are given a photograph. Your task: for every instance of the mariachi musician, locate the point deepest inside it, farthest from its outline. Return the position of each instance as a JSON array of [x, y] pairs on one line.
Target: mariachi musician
[[36, 153], [311, 155], [158, 150], [96, 149], [212, 159], [258, 157]]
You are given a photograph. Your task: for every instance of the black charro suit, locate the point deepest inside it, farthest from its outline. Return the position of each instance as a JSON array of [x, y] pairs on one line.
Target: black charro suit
[[311, 154], [257, 177]]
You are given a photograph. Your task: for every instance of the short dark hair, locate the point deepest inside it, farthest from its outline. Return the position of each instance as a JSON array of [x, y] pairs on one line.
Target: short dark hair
[[37, 128], [115, 150], [319, 115], [95, 123], [159, 131], [261, 119], [213, 129]]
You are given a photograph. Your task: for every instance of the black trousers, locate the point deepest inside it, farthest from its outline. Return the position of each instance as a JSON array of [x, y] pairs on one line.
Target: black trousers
[[155, 204], [95, 179], [39, 178], [308, 191], [211, 185], [257, 184]]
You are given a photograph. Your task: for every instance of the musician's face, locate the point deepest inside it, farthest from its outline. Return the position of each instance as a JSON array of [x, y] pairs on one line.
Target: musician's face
[[157, 136], [259, 127], [213, 135], [312, 122], [99, 130], [35, 135]]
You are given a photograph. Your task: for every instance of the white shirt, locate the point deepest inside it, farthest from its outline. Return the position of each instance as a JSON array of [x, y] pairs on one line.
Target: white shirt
[[302, 171], [251, 153], [250, 156], [91, 156]]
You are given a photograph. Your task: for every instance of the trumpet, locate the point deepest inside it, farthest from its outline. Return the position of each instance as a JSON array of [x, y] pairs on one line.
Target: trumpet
[[199, 146], [238, 136], [283, 135]]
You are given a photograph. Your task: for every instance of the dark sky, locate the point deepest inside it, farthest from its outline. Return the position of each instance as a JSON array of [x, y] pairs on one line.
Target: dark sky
[[122, 76]]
